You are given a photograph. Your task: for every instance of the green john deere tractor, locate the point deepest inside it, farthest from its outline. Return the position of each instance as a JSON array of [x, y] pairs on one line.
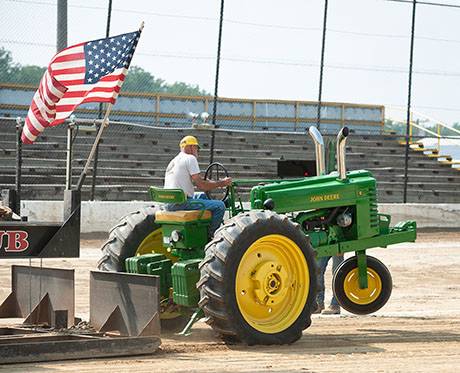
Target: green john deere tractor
[[256, 279]]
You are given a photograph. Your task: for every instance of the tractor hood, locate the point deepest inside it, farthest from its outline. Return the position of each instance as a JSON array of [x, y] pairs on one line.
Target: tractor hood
[[315, 192]]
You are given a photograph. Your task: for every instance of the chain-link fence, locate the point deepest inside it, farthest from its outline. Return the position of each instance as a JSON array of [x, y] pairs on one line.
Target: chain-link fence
[[268, 50]]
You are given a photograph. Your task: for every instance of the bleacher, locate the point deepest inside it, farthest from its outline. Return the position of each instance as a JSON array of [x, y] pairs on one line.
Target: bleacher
[[130, 158]]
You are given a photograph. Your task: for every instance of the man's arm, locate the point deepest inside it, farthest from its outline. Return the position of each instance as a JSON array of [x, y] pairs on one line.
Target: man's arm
[[206, 185]]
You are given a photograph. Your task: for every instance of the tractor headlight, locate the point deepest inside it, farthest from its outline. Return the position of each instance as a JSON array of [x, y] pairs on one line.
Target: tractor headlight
[[269, 204], [175, 236]]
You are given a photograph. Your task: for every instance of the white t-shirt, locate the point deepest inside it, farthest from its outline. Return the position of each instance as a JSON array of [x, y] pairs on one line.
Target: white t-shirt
[[179, 173]]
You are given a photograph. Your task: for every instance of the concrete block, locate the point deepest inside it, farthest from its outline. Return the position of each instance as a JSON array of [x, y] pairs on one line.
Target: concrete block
[[427, 215]]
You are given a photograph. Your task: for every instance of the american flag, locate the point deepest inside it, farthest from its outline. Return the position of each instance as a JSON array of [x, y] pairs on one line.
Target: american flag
[[87, 72]]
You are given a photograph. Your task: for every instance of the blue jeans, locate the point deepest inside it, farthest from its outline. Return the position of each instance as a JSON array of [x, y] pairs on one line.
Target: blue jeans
[[216, 207], [322, 265]]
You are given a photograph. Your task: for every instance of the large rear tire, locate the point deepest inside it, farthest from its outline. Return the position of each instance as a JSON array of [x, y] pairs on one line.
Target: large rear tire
[[138, 233], [258, 279]]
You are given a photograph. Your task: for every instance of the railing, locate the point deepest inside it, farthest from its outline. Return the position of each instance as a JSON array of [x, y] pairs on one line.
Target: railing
[[419, 121], [439, 126], [232, 113]]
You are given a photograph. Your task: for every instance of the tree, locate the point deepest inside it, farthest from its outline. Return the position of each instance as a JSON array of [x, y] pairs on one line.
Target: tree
[[396, 127], [456, 125], [137, 80]]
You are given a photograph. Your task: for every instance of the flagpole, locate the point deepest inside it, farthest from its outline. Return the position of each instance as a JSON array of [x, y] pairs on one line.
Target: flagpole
[[105, 123]]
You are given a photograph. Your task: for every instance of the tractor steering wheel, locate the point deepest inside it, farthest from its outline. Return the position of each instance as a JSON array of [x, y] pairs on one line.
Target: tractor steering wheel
[[216, 171]]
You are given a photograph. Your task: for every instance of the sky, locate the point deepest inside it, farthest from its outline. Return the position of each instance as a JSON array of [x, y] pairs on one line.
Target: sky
[[270, 49]]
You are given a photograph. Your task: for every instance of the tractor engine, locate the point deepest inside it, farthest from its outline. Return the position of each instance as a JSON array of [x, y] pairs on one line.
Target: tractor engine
[[330, 208]]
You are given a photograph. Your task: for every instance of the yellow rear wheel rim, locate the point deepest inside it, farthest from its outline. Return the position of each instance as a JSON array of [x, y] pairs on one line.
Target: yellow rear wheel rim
[[153, 243], [272, 283], [362, 296]]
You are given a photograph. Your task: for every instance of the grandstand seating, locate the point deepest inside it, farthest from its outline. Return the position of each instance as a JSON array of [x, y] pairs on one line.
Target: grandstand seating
[[131, 158]]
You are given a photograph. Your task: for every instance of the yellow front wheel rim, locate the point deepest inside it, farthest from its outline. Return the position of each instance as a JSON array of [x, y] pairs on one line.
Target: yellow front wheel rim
[[362, 296], [272, 283]]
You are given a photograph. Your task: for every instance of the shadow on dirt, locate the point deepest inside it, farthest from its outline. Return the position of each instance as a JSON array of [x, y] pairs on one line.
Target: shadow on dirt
[[356, 341]]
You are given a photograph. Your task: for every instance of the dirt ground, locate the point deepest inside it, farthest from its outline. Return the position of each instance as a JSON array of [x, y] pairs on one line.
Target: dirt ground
[[417, 331]]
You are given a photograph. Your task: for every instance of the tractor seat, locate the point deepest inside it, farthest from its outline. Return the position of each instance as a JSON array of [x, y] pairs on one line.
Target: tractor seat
[[177, 196], [183, 215]]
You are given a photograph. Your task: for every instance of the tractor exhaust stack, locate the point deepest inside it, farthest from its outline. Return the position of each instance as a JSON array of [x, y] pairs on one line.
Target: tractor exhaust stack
[[319, 150], [341, 142]]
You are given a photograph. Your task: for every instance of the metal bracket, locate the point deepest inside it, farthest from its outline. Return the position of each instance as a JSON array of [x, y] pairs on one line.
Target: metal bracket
[[362, 269], [197, 315]]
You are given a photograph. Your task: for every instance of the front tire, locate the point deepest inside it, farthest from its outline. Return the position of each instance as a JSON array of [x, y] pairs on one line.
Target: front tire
[[362, 301], [258, 279], [136, 234], [127, 237]]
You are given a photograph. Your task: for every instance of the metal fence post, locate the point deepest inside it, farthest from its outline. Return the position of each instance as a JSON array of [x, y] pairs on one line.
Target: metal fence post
[[408, 124], [18, 178], [61, 41], [216, 85], [68, 170], [323, 47], [96, 154], [93, 179]]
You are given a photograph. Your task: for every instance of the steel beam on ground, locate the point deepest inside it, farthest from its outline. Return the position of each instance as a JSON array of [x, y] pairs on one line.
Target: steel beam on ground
[[25, 346]]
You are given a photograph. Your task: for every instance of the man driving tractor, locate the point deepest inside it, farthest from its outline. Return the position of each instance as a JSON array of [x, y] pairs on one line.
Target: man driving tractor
[[183, 172]]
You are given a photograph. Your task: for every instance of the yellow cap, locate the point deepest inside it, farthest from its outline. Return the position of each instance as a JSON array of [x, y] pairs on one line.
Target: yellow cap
[[188, 140]]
